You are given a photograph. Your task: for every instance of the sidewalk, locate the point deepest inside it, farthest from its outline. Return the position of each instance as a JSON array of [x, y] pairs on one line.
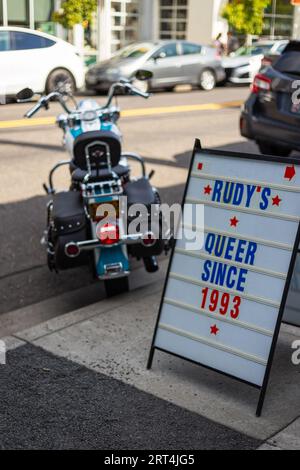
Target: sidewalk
[[80, 381]]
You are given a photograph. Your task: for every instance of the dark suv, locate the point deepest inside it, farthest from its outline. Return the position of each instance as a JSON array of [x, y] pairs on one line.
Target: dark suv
[[271, 115]]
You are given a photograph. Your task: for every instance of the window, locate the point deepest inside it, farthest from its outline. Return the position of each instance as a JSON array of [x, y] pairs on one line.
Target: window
[[134, 51], [18, 12], [43, 15], [279, 19], [4, 41], [188, 48], [173, 19], [22, 41], [167, 51], [124, 22]]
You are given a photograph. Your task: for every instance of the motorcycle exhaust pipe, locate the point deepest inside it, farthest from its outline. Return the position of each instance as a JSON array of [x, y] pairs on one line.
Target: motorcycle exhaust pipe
[[151, 264]]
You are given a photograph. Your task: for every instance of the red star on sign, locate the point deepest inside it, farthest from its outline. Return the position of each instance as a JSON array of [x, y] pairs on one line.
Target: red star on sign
[[290, 172], [234, 222], [214, 330], [276, 201], [258, 189], [200, 166], [207, 190]]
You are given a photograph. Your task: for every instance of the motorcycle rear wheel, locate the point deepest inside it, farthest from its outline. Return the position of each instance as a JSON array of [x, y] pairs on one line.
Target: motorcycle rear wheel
[[114, 287]]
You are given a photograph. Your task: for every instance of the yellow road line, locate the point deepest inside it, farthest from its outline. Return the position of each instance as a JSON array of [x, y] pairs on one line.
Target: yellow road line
[[45, 121]]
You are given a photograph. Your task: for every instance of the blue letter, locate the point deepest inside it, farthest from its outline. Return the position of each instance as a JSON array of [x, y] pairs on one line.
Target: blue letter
[[266, 193], [217, 191]]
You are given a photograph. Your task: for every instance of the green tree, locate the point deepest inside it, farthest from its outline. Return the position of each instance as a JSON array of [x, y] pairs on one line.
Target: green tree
[[246, 16], [74, 12]]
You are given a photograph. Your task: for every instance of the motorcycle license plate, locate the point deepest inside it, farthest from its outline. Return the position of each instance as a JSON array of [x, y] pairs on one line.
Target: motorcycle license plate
[[93, 208]]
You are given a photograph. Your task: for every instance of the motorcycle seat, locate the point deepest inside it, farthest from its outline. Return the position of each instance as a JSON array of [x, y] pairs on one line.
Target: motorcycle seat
[[78, 175]]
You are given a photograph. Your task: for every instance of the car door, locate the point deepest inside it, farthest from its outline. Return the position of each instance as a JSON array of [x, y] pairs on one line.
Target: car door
[[191, 62], [165, 66]]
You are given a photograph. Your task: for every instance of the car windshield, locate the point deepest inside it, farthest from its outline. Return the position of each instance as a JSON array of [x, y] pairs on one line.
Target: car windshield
[[256, 49], [134, 51]]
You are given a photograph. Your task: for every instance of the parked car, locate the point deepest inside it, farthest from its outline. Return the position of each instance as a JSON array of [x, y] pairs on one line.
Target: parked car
[[36, 60], [171, 62], [271, 115], [242, 65], [270, 58]]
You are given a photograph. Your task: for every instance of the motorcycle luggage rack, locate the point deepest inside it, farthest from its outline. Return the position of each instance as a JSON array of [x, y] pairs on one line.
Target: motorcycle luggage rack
[[102, 188]]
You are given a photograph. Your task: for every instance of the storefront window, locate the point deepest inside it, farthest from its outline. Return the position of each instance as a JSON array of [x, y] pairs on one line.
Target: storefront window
[[18, 13], [279, 19], [42, 16], [173, 19], [124, 22]]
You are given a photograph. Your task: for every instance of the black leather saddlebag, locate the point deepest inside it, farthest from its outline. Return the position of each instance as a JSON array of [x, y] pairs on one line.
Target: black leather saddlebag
[[69, 224], [141, 192]]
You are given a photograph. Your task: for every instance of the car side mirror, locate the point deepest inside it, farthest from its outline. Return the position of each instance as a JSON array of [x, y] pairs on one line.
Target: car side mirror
[[25, 95], [161, 55], [143, 75]]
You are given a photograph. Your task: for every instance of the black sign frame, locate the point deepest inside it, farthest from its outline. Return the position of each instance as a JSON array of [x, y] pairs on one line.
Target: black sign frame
[[263, 389]]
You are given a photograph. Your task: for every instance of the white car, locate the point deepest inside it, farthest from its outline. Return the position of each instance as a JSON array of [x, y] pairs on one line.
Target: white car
[[38, 61], [242, 65]]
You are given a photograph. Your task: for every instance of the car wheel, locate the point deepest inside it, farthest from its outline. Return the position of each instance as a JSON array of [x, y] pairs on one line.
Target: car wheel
[[272, 149], [60, 78], [207, 80], [169, 89]]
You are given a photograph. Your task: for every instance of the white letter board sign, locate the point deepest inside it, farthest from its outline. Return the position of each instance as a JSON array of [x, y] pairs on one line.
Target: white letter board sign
[[223, 303]]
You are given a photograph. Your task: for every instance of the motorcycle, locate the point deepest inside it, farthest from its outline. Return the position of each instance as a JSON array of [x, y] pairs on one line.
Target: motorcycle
[[80, 228]]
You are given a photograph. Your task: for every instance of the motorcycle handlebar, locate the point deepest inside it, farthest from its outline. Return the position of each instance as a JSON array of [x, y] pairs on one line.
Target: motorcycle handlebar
[[33, 110], [138, 92]]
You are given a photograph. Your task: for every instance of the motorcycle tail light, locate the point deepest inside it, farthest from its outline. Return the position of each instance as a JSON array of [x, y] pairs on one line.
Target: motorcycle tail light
[[108, 234], [261, 83], [72, 250], [149, 240]]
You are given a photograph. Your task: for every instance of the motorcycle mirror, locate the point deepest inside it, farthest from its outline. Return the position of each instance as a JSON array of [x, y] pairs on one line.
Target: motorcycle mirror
[[143, 75], [25, 95]]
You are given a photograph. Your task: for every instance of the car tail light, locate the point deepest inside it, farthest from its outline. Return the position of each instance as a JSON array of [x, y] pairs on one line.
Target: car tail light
[[72, 250], [261, 83], [241, 123], [108, 234]]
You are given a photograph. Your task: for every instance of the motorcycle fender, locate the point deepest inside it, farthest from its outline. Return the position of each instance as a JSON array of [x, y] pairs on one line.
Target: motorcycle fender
[[108, 257]]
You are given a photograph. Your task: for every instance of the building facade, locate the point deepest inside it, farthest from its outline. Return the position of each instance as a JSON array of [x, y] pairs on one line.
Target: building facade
[[120, 22]]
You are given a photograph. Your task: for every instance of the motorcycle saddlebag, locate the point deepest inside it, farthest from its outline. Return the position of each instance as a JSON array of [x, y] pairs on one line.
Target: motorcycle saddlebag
[[141, 192], [69, 224]]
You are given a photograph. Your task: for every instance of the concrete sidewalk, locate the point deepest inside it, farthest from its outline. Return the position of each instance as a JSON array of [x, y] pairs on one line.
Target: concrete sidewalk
[[111, 341]]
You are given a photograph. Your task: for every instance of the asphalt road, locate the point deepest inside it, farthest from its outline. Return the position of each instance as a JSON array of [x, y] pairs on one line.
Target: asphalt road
[[164, 136]]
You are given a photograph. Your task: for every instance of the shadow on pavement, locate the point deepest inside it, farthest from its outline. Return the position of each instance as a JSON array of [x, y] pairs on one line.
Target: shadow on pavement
[[18, 143]]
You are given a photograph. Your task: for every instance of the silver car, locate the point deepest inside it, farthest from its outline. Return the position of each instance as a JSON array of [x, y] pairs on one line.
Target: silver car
[[171, 62], [242, 66]]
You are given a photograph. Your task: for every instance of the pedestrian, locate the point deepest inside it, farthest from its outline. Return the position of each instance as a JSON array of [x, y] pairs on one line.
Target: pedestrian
[[218, 44], [232, 43]]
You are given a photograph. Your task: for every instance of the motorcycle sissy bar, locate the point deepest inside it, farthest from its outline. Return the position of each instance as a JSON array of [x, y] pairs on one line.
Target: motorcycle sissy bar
[[50, 189]]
